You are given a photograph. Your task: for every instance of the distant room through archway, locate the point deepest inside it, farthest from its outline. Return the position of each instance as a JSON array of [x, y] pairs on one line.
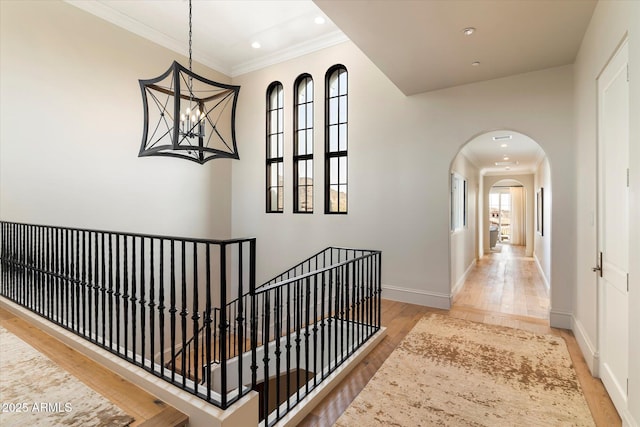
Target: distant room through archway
[[499, 249]]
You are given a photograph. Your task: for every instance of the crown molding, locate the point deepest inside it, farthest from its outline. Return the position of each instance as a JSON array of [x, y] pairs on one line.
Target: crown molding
[[111, 15], [291, 52]]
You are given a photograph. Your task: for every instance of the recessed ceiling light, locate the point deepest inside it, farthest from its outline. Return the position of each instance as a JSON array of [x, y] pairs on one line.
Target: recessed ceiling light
[[504, 145], [505, 158], [501, 137], [468, 31], [319, 20], [476, 63]]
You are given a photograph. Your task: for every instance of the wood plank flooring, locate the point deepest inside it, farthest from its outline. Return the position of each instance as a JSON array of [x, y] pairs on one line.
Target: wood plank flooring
[[142, 406], [504, 289]]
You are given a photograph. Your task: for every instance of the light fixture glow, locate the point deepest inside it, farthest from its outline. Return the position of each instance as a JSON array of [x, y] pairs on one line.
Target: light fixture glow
[[468, 31], [476, 63], [507, 168], [505, 158], [319, 20], [256, 45], [504, 145]]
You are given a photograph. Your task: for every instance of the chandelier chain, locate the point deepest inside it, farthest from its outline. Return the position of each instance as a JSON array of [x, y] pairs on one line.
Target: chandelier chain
[[190, 32]]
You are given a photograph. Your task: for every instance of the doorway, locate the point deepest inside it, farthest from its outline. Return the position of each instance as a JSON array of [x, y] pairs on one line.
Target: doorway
[[613, 227], [511, 270], [507, 214]]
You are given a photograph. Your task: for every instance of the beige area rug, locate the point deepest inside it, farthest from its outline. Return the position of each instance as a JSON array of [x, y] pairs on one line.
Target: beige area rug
[[34, 391], [452, 372]]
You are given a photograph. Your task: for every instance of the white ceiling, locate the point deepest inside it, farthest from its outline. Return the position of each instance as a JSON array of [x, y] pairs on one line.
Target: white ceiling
[[523, 153], [418, 44], [223, 30]]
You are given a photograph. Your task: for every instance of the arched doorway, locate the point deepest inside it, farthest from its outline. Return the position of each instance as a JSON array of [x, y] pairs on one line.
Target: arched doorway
[[501, 250]]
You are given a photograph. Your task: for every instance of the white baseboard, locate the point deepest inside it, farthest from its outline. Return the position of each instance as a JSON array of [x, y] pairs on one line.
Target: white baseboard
[[544, 277], [589, 351], [456, 288], [560, 319], [627, 419], [416, 296]]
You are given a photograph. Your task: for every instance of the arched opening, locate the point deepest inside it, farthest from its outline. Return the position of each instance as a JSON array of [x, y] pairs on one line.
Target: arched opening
[[499, 248]]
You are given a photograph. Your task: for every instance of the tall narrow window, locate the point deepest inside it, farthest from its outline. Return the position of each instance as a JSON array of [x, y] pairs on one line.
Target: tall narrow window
[[335, 197], [275, 148], [303, 145]]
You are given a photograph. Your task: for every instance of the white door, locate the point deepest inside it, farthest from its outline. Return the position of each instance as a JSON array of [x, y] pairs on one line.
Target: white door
[[613, 225]]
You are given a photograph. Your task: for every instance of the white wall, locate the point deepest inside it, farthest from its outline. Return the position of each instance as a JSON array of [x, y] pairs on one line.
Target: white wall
[[71, 128], [463, 242], [609, 24], [400, 153], [542, 245]]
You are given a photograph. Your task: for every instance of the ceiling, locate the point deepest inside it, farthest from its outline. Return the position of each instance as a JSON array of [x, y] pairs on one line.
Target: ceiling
[[522, 153], [224, 30], [418, 44], [511, 37]]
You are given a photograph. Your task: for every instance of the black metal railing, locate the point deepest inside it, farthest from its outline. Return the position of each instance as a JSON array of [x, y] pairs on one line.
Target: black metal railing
[[238, 334], [141, 297], [168, 305], [308, 321]]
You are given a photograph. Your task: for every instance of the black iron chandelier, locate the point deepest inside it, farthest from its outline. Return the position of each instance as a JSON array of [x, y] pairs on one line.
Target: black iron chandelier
[[188, 116]]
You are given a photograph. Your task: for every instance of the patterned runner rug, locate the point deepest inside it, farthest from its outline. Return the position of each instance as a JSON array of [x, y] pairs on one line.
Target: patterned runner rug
[[452, 372], [34, 391]]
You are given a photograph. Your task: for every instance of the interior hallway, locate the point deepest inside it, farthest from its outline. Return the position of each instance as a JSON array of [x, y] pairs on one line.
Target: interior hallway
[[506, 281]]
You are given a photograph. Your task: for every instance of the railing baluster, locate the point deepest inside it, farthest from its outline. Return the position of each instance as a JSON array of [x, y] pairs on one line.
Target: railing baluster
[[142, 303], [132, 298], [161, 307], [172, 311], [152, 304], [110, 290], [195, 316], [125, 294], [207, 318], [183, 312], [77, 281], [103, 288], [223, 325], [307, 309], [117, 294], [265, 359]]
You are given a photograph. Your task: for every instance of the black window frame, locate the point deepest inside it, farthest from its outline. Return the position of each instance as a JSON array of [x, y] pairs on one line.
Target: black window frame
[[307, 157], [333, 154], [278, 160]]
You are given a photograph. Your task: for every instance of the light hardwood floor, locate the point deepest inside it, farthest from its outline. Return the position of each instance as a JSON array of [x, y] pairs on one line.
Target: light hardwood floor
[[505, 288], [143, 407]]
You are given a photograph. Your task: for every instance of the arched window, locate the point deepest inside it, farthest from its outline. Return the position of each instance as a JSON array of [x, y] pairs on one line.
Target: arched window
[[303, 145], [275, 147], [335, 197]]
